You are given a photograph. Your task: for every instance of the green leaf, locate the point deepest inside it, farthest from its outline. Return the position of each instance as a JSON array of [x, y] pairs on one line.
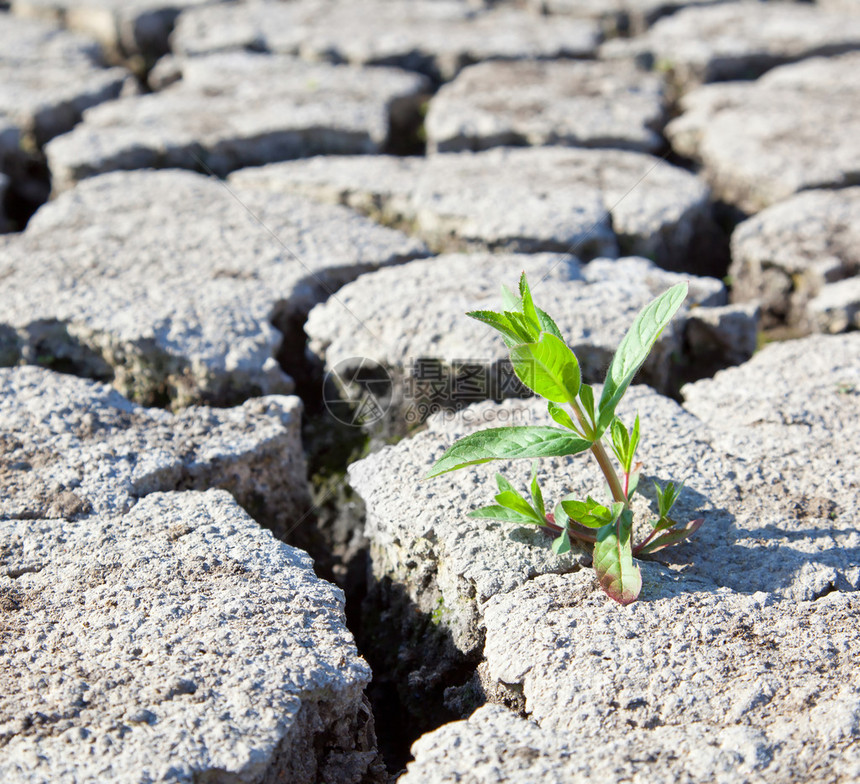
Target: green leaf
[[619, 577], [624, 443], [634, 440], [663, 523], [589, 513], [510, 301], [503, 514], [573, 528], [561, 545], [634, 349], [548, 325], [513, 500], [522, 327], [529, 310], [547, 367], [620, 440], [672, 537], [586, 397], [537, 495], [506, 443], [666, 497], [561, 416], [504, 484], [498, 321]]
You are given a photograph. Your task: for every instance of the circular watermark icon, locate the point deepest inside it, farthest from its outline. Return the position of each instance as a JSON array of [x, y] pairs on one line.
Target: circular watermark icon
[[357, 391]]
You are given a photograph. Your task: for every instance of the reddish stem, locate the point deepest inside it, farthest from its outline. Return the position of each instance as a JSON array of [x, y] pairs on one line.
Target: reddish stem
[[638, 548]]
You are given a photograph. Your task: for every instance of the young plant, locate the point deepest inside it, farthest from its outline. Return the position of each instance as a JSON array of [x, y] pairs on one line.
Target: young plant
[[546, 365]]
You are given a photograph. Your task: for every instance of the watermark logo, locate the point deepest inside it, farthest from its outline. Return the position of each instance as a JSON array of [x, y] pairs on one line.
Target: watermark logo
[[358, 391]]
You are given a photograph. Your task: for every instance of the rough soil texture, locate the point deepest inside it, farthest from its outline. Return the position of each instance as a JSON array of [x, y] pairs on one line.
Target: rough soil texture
[[738, 40], [761, 142], [751, 593], [436, 38], [206, 365], [543, 199], [188, 289], [797, 256], [226, 111], [124, 27], [410, 320], [178, 643], [571, 103]]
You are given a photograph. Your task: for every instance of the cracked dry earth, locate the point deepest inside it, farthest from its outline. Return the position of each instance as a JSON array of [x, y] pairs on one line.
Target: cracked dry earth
[[216, 566]]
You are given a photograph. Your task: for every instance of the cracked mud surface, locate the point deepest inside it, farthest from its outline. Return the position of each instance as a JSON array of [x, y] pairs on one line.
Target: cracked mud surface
[[189, 365]]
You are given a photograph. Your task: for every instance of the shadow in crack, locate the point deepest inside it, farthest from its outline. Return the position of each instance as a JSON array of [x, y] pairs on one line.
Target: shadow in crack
[[414, 662]]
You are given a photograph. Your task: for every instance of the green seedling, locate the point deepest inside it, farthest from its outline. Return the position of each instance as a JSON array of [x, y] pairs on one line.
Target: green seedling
[[546, 365]]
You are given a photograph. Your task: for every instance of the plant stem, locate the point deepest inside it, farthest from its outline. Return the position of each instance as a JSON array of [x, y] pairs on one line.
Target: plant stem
[[609, 472], [582, 535], [641, 545], [600, 455]]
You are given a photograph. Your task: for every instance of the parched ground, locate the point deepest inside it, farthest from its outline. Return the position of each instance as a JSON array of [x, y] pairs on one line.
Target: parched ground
[[237, 244]]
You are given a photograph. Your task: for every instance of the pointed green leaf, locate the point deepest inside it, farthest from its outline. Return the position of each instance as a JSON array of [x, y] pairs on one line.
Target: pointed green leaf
[[504, 484], [620, 440], [505, 443], [586, 397], [561, 545], [663, 523], [514, 501], [667, 496], [634, 440], [510, 301], [521, 326], [547, 367], [503, 514], [498, 321], [634, 349], [548, 325], [561, 416], [529, 310], [537, 495], [619, 577], [671, 537]]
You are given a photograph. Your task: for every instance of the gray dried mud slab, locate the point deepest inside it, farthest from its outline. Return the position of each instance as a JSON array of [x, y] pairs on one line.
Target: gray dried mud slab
[[239, 109], [790, 416], [695, 686], [48, 76], [739, 40], [153, 632], [792, 253], [411, 319], [738, 656], [178, 642], [175, 288], [836, 308], [616, 16], [437, 38], [586, 202], [577, 104], [126, 27], [71, 447], [796, 128]]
